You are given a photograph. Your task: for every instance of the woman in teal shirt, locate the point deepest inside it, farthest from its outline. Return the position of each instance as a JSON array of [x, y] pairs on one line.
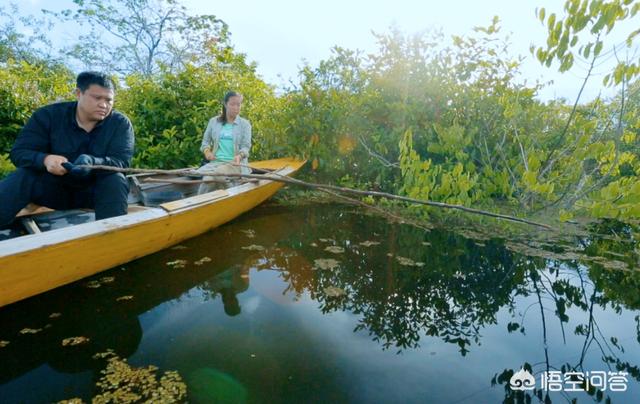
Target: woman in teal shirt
[[226, 142]]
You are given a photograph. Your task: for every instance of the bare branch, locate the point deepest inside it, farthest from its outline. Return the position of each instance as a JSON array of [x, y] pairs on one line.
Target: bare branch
[[288, 180], [377, 156]]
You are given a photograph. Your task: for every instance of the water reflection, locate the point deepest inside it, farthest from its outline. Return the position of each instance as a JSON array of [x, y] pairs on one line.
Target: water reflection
[[312, 302], [577, 294], [227, 285], [460, 287], [106, 308]]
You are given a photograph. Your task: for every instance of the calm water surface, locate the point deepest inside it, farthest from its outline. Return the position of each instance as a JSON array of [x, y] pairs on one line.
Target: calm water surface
[[325, 304]]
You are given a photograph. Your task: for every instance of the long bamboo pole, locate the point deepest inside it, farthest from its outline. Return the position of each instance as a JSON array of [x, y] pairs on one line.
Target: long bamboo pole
[[269, 175]]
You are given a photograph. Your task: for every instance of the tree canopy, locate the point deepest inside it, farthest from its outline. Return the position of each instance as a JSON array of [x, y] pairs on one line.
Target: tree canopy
[[444, 119], [140, 36]]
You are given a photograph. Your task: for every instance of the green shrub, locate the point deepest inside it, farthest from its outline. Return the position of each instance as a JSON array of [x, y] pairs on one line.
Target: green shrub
[[6, 166], [23, 88]]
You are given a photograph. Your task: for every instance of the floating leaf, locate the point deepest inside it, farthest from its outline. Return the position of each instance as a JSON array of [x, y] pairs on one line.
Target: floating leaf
[[4, 343], [325, 263], [254, 247], [333, 291], [327, 240], [100, 282], [107, 279], [249, 233], [123, 298], [122, 383], [459, 275], [73, 341], [335, 249], [426, 243], [476, 235], [177, 263], [202, 261], [106, 354], [313, 245], [55, 315], [179, 247], [30, 331], [409, 262], [369, 243]]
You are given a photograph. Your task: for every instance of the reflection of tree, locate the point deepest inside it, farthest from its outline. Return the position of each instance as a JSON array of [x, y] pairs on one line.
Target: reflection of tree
[[109, 323], [95, 311], [586, 287], [460, 288], [615, 240]]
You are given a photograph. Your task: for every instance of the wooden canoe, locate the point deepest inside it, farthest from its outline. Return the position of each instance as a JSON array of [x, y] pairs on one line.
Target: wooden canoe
[[36, 263]]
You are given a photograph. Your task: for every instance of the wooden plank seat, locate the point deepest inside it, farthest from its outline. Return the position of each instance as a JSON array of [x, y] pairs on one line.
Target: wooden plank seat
[[35, 218], [55, 219], [156, 193], [25, 217], [33, 209]]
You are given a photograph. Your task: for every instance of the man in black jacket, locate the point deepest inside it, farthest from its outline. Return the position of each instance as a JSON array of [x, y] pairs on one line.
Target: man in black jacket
[[60, 137]]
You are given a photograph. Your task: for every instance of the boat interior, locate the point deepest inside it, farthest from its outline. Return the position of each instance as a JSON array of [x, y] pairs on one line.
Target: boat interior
[[145, 191]]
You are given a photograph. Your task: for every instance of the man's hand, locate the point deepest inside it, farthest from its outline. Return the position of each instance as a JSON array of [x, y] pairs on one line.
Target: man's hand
[[236, 159], [82, 160], [53, 164], [209, 155]]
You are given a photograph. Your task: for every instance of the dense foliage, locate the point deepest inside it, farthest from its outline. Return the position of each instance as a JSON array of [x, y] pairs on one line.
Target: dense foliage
[[448, 121], [170, 110], [23, 88]]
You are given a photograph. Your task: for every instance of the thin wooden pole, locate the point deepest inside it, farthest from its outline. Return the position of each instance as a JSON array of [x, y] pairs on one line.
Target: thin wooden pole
[[293, 181]]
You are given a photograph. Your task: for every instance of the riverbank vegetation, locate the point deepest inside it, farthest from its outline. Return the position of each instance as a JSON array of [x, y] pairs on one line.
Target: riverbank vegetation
[[428, 117]]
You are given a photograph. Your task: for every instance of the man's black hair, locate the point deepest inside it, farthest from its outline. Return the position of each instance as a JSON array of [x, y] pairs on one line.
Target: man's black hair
[[86, 79]]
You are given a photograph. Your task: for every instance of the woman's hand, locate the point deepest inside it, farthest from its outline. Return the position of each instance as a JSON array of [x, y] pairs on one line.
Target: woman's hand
[[208, 155], [236, 159]]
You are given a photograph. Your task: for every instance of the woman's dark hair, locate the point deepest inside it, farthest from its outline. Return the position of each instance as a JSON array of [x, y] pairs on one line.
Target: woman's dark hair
[[230, 302], [223, 118], [86, 79]]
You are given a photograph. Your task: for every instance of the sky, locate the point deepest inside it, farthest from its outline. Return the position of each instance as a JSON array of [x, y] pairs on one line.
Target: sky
[[283, 35]]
